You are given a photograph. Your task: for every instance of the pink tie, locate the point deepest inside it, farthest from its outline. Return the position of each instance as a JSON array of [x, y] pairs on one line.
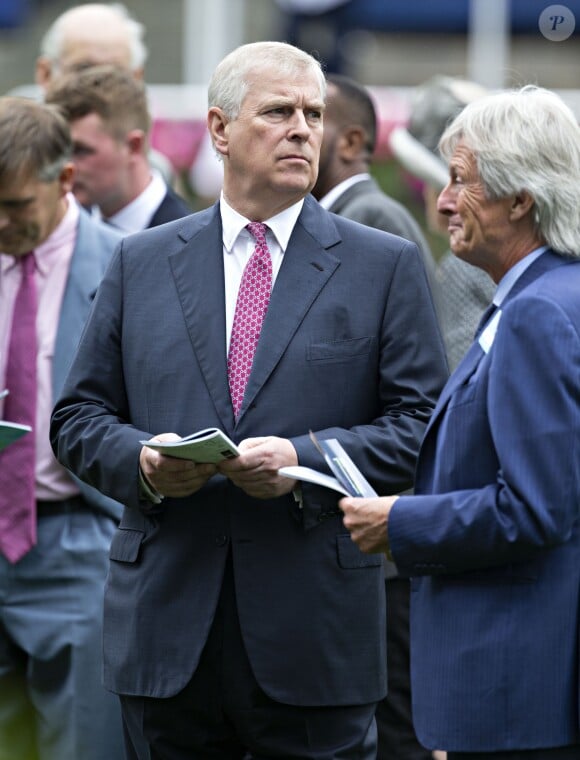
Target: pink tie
[[251, 307], [17, 495]]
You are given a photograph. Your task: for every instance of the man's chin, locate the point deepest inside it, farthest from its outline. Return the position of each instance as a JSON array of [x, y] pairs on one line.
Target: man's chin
[[82, 197]]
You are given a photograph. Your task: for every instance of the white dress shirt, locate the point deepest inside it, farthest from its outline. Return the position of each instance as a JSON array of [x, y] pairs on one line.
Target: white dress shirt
[[137, 215], [238, 246]]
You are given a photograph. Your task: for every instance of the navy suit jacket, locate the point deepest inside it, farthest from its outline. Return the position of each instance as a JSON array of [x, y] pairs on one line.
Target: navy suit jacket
[[493, 542], [366, 203], [171, 207], [350, 349]]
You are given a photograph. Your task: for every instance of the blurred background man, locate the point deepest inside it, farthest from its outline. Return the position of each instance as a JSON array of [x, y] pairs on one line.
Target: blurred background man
[[90, 35], [55, 533], [345, 185], [464, 291], [107, 111]]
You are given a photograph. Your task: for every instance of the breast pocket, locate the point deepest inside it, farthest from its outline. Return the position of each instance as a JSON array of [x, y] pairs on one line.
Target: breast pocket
[[334, 351]]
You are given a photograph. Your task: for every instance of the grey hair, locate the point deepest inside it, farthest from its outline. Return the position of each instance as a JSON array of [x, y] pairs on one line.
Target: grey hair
[[526, 139], [51, 44], [228, 86]]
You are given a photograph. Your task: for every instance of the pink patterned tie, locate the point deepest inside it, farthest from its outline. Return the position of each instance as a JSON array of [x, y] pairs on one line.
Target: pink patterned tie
[[17, 496], [251, 307]]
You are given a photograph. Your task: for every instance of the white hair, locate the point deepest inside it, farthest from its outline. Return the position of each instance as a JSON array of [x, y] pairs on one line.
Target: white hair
[[52, 43], [526, 140], [228, 85]]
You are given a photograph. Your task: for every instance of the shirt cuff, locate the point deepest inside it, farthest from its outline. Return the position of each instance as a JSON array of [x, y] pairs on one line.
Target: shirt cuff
[[147, 491]]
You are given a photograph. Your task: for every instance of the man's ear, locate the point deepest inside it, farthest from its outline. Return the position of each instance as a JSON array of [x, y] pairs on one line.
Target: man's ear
[[43, 72], [217, 125], [351, 143], [522, 204], [66, 178], [136, 142]]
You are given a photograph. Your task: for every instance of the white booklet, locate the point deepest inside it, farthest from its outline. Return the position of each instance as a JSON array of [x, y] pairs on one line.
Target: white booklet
[[347, 480], [10, 432], [210, 445]]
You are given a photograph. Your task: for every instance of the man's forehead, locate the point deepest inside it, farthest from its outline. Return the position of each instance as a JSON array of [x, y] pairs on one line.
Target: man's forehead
[[284, 93], [17, 186]]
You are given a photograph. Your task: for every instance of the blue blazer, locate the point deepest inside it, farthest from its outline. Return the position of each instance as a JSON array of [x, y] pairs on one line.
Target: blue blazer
[[493, 542], [349, 348], [93, 250]]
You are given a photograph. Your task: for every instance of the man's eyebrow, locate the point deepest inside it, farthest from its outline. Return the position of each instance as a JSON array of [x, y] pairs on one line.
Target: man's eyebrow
[[16, 201]]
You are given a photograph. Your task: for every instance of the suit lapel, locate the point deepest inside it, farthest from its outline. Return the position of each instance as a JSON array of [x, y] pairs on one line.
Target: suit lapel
[[305, 270], [198, 273], [548, 260]]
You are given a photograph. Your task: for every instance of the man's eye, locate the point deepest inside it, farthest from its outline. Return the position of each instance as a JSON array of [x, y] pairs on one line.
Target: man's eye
[[79, 151], [15, 205]]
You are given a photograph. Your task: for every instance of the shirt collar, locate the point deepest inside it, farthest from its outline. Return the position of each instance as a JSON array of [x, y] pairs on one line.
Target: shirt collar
[[135, 216], [511, 276], [281, 224], [331, 197], [64, 234]]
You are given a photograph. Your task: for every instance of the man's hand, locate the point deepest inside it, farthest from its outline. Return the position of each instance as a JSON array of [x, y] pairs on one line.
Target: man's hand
[[366, 520], [171, 476], [255, 471]]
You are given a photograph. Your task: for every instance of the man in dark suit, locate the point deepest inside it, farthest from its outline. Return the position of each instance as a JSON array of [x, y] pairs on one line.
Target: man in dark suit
[[492, 537], [52, 702], [106, 107], [92, 34], [345, 186], [241, 619]]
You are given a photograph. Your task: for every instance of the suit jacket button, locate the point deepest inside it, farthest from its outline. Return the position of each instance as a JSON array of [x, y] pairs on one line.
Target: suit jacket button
[[221, 540]]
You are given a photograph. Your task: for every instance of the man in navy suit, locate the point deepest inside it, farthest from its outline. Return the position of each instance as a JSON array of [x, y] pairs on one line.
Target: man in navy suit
[[241, 619], [108, 114], [492, 538], [52, 702]]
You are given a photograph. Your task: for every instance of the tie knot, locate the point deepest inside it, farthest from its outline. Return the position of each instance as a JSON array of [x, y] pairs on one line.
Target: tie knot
[[258, 231], [28, 264]]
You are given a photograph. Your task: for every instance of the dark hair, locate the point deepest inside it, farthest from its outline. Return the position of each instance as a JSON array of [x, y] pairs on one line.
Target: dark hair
[[356, 106], [110, 91]]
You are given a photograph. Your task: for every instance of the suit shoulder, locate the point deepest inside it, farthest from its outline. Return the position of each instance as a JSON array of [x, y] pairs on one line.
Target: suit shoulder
[[90, 229], [376, 209], [351, 229], [560, 284], [159, 237]]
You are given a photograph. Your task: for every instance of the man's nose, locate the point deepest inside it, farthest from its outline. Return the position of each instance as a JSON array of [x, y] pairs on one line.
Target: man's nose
[[299, 123], [446, 200]]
